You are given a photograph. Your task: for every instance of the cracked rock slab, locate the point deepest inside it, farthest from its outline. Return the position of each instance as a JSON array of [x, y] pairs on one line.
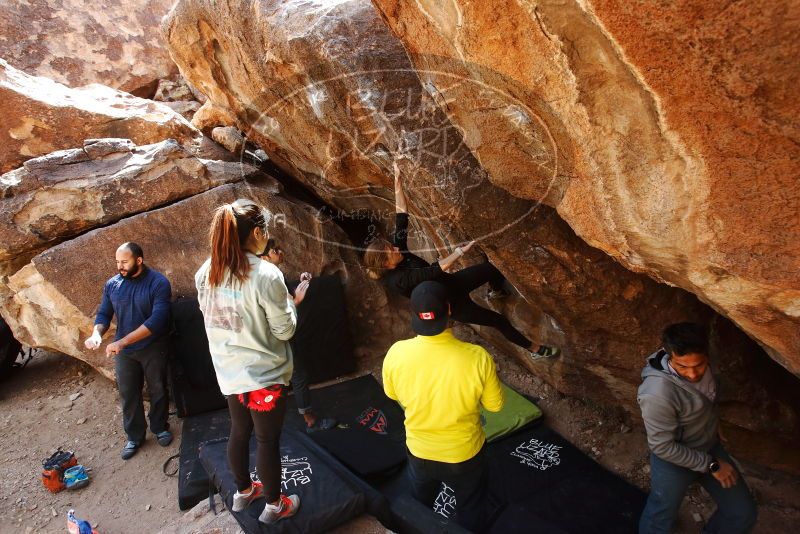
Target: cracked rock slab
[[41, 116], [63, 194]]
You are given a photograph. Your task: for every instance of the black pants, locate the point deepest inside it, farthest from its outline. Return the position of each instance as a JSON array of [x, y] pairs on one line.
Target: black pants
[[300, 385], [464, 310], [133, 370], [466, 481], [268, 454]]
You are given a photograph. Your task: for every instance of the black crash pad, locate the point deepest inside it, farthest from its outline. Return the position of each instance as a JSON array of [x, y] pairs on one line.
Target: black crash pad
[[193, 481], [538, 482], [594, 501], [528, 462], [374, 441], [323, 339], [328, 496], [193, 381], [539, 478], [373, 444]]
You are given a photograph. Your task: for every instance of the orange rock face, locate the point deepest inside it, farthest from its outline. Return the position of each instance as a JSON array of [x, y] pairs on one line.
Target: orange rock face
[[544, 105], [672, 139], [61, 195], [537, 132]]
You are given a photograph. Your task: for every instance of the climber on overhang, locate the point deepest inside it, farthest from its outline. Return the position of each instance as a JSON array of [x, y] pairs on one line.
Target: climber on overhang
[[401, 271]]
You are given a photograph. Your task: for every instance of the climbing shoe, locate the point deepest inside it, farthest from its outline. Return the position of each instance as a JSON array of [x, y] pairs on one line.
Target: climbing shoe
[[321, 423], [130, 449], [287, 506], [243, 500], [544, 352], [164, 438]]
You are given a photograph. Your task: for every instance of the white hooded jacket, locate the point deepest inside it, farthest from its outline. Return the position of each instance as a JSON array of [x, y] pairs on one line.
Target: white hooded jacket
[[249, 326]]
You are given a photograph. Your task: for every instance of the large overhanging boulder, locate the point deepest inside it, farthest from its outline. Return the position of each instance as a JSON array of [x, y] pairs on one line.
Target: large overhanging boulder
[[41, 116], [51, 302], [671, 142], [508, 122], [333, 114], [518, 149], [66, 193], [74, 42]]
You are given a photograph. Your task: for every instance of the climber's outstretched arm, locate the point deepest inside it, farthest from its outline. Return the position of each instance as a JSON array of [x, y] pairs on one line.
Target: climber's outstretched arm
[[400, 203]]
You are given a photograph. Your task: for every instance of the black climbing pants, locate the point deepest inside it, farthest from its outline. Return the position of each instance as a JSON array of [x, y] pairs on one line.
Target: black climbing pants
[[267, 426], [456, 490], [464, 310], [300, 382]]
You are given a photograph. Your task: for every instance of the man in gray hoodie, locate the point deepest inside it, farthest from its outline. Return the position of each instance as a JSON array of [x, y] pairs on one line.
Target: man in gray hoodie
[[678, 401]]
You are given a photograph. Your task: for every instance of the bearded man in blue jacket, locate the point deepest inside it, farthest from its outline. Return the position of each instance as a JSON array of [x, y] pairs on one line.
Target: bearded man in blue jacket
[[140, 299]]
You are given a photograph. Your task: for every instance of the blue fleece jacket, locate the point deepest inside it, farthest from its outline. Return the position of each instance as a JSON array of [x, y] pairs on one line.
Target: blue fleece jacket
[[144, 300]]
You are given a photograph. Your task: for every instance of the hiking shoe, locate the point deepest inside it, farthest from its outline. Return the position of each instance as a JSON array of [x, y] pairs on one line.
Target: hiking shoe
[[545, 352], [243, 500], [287, 507], [164, 438], [76, 477], [321, 423], [130, 449]]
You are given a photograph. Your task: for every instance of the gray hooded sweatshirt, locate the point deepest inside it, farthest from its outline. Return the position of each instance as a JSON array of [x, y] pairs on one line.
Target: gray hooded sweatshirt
[[682, 424]]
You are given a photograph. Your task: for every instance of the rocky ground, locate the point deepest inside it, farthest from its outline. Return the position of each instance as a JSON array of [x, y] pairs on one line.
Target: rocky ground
[[59, 401]]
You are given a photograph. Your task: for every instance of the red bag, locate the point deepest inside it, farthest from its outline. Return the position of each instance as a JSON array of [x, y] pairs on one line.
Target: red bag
[[54, 467]]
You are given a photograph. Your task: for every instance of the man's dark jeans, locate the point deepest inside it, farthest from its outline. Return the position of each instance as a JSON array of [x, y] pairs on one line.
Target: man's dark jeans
[[736, 509], [467, 479], [148, 365]]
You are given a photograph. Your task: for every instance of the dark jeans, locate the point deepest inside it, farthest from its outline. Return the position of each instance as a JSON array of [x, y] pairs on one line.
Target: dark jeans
[[736, 509], [300, 377], [133, 370], [467, 480], [268, 433], [464, 310]]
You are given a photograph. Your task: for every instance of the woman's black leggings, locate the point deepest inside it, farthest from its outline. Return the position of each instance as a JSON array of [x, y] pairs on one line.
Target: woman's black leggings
[[268, 432], [464, 310]]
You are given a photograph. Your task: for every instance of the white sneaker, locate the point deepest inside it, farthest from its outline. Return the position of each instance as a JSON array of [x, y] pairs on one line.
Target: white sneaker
[[287, 507], [243, 500]]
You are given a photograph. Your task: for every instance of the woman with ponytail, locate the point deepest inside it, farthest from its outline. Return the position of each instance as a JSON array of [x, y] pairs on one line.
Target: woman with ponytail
[[401, 271], [249, 319]]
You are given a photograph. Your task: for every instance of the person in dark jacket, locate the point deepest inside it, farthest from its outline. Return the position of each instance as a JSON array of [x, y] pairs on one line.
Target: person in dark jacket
[[140, 299], [401, 271], [301, 374], [678, 398]]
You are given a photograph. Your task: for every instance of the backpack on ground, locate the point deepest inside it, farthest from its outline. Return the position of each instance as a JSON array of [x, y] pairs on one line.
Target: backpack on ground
[[54, 467]]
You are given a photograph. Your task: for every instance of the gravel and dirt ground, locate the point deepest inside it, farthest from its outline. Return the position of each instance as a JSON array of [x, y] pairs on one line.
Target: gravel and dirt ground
[[59, 401]]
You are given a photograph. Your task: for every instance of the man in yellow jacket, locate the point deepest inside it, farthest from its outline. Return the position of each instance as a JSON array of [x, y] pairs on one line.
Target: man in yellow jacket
[[442, 382]]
